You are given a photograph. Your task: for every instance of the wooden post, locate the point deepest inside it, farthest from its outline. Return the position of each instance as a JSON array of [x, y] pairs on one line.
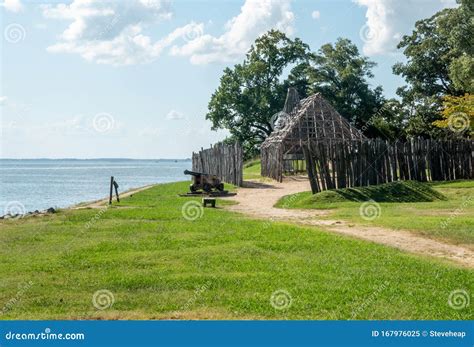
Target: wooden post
[[116, 191], [310, 167], [111, 184]]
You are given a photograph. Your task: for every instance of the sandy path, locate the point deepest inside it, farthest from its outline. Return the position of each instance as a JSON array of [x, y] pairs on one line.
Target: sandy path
[[257, 200], [102, 202]]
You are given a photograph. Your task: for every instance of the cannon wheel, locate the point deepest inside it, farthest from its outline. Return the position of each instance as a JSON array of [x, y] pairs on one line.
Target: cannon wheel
[[220, 187], [192, 188], [207, 187]]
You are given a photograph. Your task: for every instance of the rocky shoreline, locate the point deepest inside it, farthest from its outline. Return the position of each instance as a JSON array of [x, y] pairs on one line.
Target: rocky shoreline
[[82, 205], [35, 213]]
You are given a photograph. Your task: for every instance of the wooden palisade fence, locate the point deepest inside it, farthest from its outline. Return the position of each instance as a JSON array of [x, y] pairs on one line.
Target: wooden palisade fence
[[223, 160], [340, 164]]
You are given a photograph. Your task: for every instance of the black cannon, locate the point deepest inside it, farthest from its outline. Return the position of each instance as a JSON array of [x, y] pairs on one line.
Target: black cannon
[[203, 181]]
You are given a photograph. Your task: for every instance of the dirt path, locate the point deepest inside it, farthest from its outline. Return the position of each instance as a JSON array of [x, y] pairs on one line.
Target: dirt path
[[102, 202], [257, 200]]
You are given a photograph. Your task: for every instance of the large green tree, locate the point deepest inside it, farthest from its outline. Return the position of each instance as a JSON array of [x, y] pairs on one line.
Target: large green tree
[[342, 76], [439, 62], [251, 93]]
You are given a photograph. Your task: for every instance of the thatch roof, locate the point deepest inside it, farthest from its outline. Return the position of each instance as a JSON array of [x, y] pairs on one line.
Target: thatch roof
[[311, 119]]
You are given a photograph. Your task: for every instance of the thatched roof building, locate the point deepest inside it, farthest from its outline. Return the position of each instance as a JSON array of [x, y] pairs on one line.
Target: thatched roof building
[[311, 119]]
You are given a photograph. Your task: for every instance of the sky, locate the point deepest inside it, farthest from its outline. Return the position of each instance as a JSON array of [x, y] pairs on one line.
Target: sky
[[132, 79]]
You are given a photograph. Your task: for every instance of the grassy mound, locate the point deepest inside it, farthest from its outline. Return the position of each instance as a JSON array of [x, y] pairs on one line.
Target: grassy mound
[[439, 210], [252, 169], [405, 191]]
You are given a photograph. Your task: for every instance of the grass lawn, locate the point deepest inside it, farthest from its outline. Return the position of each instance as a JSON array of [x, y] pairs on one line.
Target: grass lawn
[[158, 265], [442, 210], [252, 170]]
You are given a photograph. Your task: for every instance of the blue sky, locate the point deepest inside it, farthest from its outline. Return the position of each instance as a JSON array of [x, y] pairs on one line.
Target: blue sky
[[90, 79]]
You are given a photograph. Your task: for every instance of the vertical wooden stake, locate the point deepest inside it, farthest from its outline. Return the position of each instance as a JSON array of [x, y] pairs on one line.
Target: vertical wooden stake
[[116, 191], [111, 184], [310, 167]]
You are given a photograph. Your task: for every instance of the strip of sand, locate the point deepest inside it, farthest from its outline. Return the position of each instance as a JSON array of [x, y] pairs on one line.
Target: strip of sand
[[102, 202]]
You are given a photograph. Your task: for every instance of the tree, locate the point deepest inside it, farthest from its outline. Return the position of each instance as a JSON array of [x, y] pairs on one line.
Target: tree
[[388, 122], [461, 72], [458, 114], [341, 75], [439, 62], [251, 93]]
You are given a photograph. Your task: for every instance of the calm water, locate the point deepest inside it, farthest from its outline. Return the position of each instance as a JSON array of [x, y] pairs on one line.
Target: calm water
[[39, 184]]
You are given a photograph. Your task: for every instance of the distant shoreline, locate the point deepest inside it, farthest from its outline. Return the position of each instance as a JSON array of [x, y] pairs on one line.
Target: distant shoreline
[[99, 203], [36, 185]]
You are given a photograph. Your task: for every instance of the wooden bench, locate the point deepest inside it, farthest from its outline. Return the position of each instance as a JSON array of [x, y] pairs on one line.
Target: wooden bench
[[210, 201]]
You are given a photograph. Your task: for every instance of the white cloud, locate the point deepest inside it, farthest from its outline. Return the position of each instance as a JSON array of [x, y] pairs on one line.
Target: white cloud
[[12, 5], [110, 32], [114, 32], [316, 14], [388, 20], [255, 18], [3, 100], [173, 114]]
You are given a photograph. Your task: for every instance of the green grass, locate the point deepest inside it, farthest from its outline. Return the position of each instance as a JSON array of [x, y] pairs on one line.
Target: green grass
[[440, 210], [252, 170], [404, 191], [158, 265]]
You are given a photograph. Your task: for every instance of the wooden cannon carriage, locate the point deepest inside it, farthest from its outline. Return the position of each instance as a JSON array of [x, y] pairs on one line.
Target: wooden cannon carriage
[[205, 182]]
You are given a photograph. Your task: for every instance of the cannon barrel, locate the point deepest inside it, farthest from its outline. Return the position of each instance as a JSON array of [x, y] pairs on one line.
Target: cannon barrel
[[193, 173]]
